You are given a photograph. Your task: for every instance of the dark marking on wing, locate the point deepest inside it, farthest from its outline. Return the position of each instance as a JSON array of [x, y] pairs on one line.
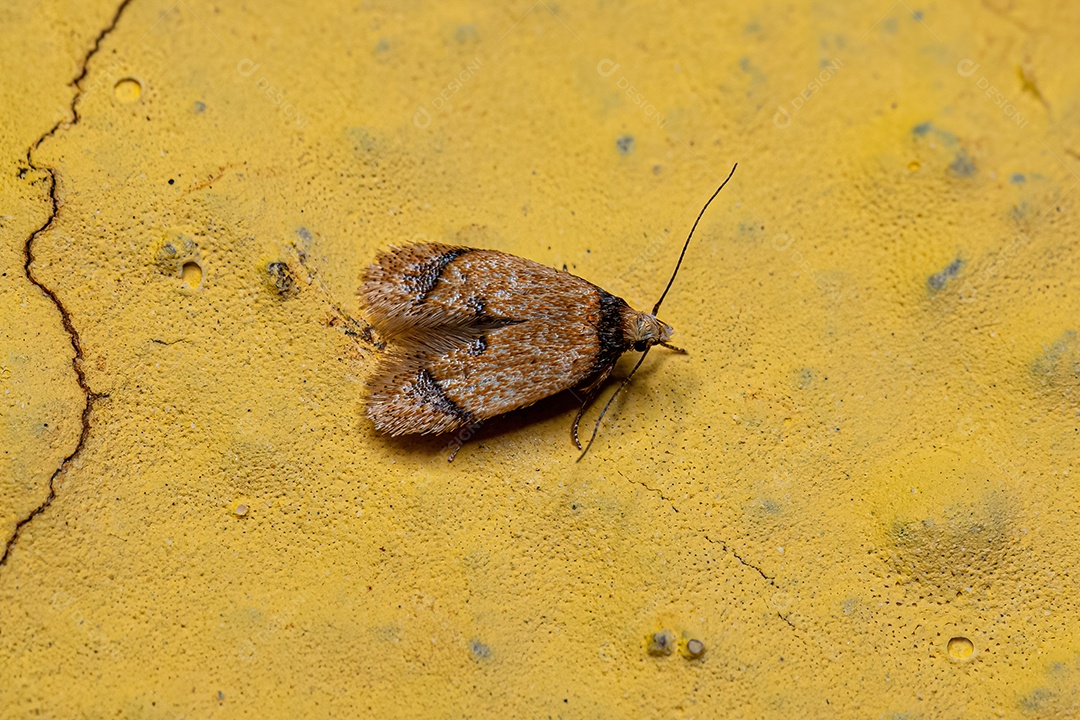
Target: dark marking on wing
[[426, 389], [476, 305], [609, 331], [483, 321], [423, 279], [477, 345], [491, 322]]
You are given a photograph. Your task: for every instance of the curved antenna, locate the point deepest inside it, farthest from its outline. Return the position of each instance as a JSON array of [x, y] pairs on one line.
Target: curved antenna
[[625, 382], [656, 307]]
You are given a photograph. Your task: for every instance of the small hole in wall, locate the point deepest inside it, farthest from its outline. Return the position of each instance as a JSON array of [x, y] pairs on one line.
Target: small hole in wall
[[960, 648], [128, 90], [191, 274]]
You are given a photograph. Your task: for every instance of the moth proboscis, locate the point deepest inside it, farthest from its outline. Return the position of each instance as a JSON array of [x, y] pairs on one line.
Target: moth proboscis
[[473, 333]]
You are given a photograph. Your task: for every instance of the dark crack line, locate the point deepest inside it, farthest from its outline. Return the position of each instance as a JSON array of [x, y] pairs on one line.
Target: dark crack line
[[65, 317], [653, 490], [771, 579], [728, 549], [75, 117]]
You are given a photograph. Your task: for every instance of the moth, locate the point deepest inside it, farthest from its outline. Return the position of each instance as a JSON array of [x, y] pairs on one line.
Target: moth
[[472, 334]]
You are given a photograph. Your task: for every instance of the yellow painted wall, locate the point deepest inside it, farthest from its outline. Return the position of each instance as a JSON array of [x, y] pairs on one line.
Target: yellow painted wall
[[858, 490]]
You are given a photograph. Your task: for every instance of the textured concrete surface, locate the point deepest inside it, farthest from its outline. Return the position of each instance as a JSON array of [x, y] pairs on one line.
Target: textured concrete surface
[[858, 491]]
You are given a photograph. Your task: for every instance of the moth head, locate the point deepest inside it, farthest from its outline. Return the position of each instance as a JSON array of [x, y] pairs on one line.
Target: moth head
[[643, 330]]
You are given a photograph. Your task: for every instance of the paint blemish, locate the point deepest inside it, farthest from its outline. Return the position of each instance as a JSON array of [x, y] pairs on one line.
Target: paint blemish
[[938, 280], [962, 165]]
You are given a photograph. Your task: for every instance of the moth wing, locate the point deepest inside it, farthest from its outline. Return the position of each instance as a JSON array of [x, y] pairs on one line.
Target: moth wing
[[395, 289], [419, 388], [430, 286], [474, 334], [514, 366], [405, 398]]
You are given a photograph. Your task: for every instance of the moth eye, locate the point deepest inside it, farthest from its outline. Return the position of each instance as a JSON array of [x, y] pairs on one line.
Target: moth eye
[[641, 346]]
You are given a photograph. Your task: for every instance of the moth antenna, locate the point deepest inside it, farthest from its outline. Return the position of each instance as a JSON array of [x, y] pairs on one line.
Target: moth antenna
[[656, 307], [625, 382]]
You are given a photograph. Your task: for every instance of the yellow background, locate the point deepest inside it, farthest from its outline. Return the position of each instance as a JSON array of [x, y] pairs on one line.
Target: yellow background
[[869, 451]]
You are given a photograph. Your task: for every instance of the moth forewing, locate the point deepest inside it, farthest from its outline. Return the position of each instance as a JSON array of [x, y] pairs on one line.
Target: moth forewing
[[477, 333]]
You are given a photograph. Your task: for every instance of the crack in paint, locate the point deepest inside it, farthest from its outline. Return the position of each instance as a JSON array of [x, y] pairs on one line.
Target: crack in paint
[[771, 579], [65, 316], [729, 550], [653, 490]]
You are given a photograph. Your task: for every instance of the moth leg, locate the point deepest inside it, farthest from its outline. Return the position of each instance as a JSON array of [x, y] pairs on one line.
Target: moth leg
[[590, 392], [461, 438], [577, 421], [674, 348]]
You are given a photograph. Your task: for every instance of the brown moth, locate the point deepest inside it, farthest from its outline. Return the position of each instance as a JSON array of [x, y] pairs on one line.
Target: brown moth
[[476, 333]]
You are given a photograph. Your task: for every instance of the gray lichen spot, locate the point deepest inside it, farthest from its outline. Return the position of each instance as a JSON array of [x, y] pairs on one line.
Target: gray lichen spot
[[1036, 700], [962, 165], [1059, 364], [174, 251], [479, 650], [945, 137], [938, 280], [625, 144], [962, 550], [770, 506], [922, 128], [466, 34]]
